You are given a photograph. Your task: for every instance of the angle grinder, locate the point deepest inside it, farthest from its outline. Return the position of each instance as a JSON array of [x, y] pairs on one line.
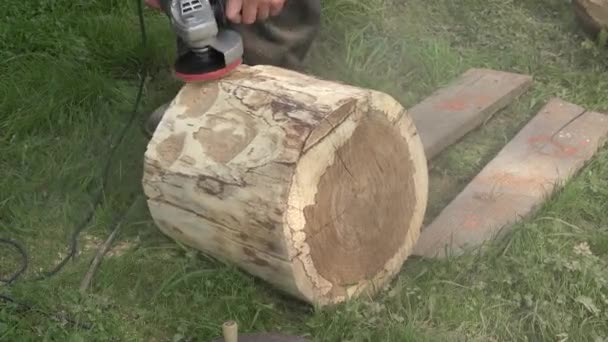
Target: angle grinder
[[207, 49]]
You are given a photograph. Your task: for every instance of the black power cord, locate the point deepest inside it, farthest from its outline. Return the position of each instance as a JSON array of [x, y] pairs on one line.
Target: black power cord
[[24, 260], [98, 199]]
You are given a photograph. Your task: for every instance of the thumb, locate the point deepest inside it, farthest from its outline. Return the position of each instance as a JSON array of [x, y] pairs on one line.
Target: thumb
[[233, 10]]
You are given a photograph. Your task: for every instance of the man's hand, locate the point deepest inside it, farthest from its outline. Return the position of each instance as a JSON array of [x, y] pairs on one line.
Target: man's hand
[[248, 11]]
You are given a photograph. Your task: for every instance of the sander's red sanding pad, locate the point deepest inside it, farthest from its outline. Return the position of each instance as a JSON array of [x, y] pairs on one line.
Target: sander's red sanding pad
[[209, 76]]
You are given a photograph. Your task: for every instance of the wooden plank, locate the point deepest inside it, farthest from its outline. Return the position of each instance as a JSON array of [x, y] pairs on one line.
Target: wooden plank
[[453, 111], [528, 169]]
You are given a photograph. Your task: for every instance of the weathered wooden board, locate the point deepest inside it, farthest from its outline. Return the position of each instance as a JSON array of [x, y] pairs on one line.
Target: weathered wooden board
[[451, 112], [539, 159]]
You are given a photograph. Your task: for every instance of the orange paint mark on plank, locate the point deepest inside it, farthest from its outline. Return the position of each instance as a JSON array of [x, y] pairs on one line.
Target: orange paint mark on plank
[[551, 146], [453, 111], [471, 222], [461, 103]]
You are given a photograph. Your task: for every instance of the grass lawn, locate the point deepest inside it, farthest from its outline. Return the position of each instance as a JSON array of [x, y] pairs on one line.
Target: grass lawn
[[69, 73]]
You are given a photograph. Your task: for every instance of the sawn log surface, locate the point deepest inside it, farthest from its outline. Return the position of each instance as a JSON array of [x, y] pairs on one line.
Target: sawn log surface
[[317, 187]]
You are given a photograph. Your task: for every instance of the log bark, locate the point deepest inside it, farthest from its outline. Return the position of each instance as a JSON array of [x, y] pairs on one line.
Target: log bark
[[317, 187], [592, 15]]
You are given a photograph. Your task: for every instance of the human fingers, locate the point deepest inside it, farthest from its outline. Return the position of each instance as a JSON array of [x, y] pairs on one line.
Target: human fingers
[[276, 6], [263, 10], [250, 11], [233, 10]]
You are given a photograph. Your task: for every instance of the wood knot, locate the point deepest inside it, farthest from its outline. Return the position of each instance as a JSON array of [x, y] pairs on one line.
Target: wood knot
[[253, 256], [209, 185]]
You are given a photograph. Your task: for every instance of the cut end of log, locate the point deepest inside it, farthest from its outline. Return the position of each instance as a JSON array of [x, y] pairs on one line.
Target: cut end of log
[[317, 187], [351, 199]]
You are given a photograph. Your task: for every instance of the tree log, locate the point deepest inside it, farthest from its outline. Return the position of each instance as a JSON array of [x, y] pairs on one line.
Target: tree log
[[317, 187], [592, 15]]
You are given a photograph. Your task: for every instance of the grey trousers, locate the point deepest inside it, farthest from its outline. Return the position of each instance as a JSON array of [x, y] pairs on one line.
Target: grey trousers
[[283, 40]]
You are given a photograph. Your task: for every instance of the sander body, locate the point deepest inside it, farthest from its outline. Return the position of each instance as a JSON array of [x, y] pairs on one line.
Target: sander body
[[207, 48]]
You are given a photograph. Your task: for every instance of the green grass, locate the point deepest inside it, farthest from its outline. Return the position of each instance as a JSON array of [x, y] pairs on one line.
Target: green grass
[[69, 72]]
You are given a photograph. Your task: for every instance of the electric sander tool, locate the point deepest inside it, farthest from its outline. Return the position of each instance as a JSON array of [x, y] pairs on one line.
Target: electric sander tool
[[207, 49]]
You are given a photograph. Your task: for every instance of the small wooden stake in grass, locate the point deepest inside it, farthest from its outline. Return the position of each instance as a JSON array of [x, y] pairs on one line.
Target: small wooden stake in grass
[[230, 331], [315, 186]]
